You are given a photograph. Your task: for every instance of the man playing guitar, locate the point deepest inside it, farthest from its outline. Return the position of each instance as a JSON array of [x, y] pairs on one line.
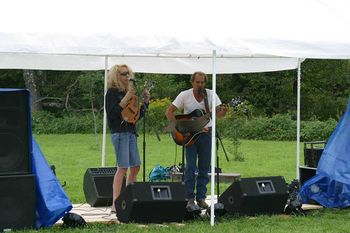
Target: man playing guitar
[[189, 100]]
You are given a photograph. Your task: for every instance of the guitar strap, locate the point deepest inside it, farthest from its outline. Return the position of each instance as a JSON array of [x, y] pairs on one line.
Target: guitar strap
[[206, 101]]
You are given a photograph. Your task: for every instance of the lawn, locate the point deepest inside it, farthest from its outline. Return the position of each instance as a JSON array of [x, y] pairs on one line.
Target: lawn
[[73, 154]]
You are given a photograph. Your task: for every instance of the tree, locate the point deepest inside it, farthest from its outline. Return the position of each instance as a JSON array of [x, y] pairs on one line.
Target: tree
[[31, 77]]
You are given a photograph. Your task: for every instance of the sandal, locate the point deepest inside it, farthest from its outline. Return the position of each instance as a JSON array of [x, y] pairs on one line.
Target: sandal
[[113, 212]]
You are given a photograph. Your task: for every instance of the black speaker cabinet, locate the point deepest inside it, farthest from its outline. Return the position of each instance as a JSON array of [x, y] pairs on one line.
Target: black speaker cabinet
[[256, 195], [152, 202], [15, 132], [17, 202], [313, 152], [306, 173], [98, 186]]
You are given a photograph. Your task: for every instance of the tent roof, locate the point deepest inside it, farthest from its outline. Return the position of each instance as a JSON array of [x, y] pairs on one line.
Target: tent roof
[[172, 36]]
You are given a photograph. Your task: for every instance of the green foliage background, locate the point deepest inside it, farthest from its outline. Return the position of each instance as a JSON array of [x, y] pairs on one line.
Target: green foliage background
[[73, 101]]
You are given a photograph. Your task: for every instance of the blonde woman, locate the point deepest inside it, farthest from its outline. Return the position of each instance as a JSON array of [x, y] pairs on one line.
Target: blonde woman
[[123, 134]]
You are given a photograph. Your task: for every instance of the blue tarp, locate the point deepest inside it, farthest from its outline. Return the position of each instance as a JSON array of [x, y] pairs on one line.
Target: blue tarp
[[51, 201], [331, 185]]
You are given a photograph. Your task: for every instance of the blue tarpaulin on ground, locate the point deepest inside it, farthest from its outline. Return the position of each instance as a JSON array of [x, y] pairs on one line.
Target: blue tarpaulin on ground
[[331, 185], [51, 201]]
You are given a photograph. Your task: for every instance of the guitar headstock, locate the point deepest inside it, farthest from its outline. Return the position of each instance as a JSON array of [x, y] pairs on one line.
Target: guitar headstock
[[149, 84]]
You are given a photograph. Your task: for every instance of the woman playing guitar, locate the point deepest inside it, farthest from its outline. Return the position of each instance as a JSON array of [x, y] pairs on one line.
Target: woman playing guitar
[[120, 92]]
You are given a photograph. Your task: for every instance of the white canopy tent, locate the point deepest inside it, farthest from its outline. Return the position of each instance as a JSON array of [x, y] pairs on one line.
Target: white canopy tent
[[180, 36]]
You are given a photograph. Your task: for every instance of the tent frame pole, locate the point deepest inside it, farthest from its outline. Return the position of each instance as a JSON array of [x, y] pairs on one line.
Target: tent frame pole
[[213, 139], [298, 118], [103, 159]]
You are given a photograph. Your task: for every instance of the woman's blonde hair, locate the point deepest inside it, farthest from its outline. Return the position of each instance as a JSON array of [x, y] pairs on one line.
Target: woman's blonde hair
[[114, 77]]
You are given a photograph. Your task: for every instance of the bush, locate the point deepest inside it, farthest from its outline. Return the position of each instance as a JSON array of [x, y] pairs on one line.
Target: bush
[[156, 114], [46, 123], [278, 127], [233, 126], [317, 130]]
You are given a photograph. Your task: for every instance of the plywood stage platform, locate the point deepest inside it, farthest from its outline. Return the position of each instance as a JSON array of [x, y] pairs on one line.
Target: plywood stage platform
[[102, 214]]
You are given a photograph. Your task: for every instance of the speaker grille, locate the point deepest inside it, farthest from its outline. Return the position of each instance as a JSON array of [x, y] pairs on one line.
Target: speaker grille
[[11, 153], [17, 202], [14, 132], [103, 171]]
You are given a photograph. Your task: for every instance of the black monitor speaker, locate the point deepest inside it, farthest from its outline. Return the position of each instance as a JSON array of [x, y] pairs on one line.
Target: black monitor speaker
[[152, 202], [256, 195], [15, 130], [98, 186], [306, 173]]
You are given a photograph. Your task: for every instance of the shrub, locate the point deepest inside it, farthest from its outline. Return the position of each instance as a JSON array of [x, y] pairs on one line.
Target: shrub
[[233, 126], [317, 130], [156, 115], [46, 123]]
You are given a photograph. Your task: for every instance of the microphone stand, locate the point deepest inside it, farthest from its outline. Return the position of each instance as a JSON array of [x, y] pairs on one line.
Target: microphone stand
[[144, 143], [145, 110], [218, 139], [222, 145]]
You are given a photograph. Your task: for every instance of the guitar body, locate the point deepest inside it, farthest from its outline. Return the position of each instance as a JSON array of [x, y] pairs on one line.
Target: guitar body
[[131, 112], [187, 138]]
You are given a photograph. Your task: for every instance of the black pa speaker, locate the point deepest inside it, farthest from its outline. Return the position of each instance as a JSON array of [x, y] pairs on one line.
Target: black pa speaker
[[152, 202], [98, 186], [256, 195], [15, 132], [313, 152], [306, 173], [17, 202]]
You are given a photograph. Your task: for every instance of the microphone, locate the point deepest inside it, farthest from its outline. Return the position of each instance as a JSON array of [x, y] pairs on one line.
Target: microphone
[[200, 91]]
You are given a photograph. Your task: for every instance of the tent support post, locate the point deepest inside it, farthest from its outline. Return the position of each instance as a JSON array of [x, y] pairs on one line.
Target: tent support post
[[103, 160], [213, 140], [298, 119]]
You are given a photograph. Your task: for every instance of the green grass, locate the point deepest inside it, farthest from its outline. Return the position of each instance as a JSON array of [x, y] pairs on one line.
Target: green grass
[[73, 154]]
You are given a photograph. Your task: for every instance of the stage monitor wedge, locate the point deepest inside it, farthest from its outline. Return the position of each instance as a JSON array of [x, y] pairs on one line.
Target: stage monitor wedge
[[256, 195], [98, 186], [155, 202]]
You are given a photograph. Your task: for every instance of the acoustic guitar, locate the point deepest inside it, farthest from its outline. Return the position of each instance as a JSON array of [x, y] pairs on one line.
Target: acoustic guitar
[[131, 112], [188, 137]]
